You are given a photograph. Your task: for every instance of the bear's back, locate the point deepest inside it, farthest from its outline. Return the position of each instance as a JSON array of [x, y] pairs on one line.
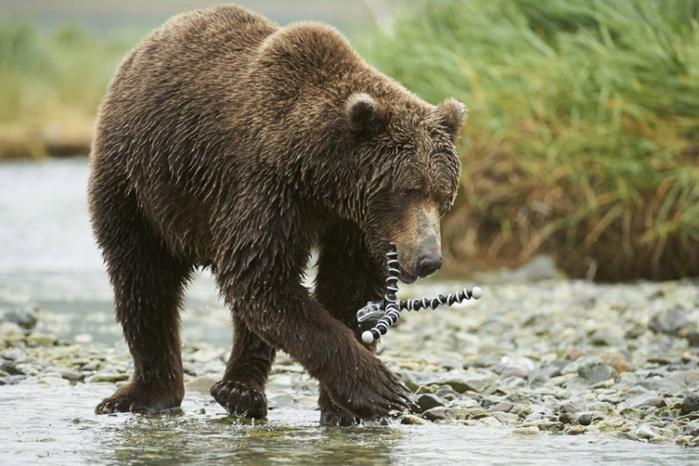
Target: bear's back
[[191, 46]]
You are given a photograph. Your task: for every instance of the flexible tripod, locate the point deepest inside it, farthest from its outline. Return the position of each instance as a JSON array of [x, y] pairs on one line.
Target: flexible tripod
[[387, 312]]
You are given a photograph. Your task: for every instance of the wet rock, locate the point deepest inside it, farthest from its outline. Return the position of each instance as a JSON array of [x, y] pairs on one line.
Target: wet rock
[[474, 412], [541, 376], [568, 408], [693, 338], [107, 377], [674, 381], [68, 374], [692, 429], [585, 419], [643, 431], [594, 370], [410, 419], [568, 418], [468, 382], [25, 318], [575, 429], [660, 359], [690, 403], [649, 401], [503, 406], [13, 354], [52, 379], [439, 414], [511, 382], [636, 331], [517, 367], [526, 431], [10, 368], [669, 321], [617, 360], [521, 411], [447, 394], [605, 338], [201, 384], [427, 401], [490, 422], [416, 379], [10, 329], [506, 418], [39, 339]]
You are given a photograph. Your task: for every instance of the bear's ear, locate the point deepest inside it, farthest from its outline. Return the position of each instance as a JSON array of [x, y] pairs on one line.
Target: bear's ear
[[363, 113], [452, 115]]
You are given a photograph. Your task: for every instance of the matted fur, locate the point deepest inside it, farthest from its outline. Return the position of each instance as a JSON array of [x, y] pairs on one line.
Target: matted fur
[[228, 142]]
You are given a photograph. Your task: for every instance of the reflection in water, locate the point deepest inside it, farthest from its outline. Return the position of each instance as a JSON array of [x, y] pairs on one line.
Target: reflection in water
[[282, 440], [55, 425]]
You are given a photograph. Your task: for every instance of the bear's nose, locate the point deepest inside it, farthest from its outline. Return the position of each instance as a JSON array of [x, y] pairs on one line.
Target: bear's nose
[[427, 263]]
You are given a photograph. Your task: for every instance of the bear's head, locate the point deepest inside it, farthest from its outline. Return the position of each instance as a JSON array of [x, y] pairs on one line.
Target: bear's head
[[407, 175]]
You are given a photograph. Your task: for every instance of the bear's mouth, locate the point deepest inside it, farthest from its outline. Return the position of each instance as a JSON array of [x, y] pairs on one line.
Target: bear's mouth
[[407, 277]]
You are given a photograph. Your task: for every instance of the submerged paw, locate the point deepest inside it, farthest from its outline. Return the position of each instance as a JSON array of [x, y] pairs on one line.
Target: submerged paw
[[240, 399]]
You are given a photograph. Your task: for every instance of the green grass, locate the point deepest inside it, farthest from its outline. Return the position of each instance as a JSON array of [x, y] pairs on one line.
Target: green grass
[[583, 133], [583, 139], [45, 78]]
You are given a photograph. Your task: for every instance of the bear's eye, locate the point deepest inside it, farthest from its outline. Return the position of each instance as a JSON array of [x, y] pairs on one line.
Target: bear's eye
[[407, 193]]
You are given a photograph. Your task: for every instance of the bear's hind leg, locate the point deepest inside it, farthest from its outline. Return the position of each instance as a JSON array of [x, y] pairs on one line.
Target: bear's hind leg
[[242, 389], [148, 283]]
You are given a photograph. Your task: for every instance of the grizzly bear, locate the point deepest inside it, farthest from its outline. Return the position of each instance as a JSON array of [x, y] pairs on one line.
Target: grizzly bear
[[227, 142]]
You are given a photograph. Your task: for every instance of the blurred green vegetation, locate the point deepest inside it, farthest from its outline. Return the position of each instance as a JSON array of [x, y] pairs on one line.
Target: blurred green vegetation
[[583, 133], [57, 76], [51, 85]]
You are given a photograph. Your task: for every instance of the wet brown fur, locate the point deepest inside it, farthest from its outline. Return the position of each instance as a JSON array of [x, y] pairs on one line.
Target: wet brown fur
[[227, 142]]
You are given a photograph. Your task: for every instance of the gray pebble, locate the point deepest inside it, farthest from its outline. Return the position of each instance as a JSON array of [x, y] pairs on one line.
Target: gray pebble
[[427, 401], [669, 321], [503, 406], [410, 419], [690, 403], [643, 431], [439, 414], [568, 418], [25, 318], [693, 338], [649, 400], [106, 377], [10, 368], [466, 383], [594, 370]]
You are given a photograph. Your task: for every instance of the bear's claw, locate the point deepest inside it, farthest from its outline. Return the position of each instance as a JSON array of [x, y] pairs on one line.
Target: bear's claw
[[116, 404], [334, 416], [240, 399], [385, 393]]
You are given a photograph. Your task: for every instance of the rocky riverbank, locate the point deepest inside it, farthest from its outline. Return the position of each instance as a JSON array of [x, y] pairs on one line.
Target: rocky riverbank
[[556, 356]]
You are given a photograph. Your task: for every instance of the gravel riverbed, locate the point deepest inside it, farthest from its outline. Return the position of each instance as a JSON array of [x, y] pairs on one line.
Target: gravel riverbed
[[557, 356]]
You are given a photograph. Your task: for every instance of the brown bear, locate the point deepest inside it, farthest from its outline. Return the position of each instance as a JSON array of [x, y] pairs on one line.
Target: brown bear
[[228, 142]]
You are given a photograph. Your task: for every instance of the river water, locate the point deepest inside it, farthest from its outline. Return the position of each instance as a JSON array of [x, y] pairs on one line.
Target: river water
[[48, 259]]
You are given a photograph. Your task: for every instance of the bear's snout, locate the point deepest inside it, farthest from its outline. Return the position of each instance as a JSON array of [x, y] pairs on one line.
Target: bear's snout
[[429, 260], [419, 247]]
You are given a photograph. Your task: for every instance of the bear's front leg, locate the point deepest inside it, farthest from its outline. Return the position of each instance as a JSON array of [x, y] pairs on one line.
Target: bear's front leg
[[288, 318], [347, 279], [241, 391]]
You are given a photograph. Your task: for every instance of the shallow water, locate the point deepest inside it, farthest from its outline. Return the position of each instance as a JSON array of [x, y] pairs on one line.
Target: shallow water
[[48, 258], [41, 425]]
